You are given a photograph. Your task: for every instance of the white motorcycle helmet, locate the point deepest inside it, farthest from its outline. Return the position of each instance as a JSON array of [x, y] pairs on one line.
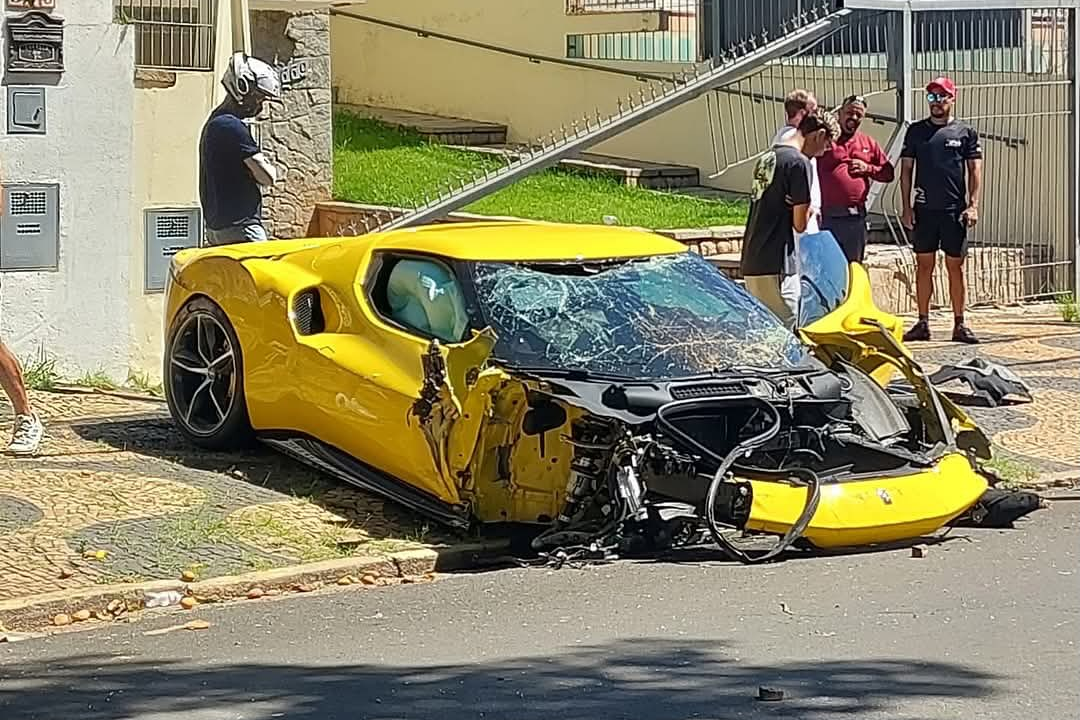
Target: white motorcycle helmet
[[245, 74]]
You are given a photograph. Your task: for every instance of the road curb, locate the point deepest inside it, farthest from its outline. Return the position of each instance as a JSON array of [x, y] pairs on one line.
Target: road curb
[[37, 611]]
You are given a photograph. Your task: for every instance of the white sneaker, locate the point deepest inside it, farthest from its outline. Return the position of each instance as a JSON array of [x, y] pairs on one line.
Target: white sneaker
[[27, 436]]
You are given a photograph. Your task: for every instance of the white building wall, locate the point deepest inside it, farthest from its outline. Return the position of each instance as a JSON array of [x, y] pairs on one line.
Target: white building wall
[[79, 314]]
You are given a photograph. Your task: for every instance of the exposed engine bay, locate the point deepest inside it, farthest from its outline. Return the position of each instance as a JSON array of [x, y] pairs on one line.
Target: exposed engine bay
[[655, 465]]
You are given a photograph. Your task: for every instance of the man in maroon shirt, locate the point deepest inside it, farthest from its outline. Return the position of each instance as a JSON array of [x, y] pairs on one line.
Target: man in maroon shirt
[[846, 172]]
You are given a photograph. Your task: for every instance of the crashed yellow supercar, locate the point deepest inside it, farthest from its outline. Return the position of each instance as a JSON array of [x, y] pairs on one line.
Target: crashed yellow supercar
[[603, 383]]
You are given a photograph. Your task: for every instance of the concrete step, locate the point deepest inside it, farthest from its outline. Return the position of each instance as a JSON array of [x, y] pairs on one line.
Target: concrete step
[[632, 173], [635, 173], [445, 130]]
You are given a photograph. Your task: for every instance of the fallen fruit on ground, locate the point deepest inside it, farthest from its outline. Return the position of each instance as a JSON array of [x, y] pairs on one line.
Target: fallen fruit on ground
[[369, 579], [255, 593], [188, 576], [61, 620], [81, 615], [188, 602]]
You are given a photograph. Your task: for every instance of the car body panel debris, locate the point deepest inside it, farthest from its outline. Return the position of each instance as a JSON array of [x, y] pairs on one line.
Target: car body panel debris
[[990, 382]]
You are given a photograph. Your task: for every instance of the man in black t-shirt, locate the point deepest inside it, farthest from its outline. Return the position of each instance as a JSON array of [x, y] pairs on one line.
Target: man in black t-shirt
[[946, 156], [780, 207]]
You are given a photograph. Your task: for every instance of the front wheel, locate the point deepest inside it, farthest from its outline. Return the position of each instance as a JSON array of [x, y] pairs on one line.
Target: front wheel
[[203, 374]]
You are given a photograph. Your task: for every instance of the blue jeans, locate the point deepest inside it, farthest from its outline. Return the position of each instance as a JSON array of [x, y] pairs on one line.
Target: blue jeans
[[236, 234]]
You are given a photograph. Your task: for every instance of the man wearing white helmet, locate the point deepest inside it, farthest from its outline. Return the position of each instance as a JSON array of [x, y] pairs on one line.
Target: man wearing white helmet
[[232, 167]]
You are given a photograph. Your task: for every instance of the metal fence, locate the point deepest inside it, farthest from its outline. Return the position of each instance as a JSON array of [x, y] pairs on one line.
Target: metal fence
[[1011, 73], [688, 31], [171, 34], [1011, 67]]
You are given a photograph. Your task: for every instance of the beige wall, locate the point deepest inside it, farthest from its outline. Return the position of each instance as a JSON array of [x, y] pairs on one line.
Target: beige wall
[[168, 119], [391, 68]]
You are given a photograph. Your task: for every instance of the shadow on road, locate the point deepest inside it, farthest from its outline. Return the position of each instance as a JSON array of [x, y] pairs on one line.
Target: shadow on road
[[629, 679]]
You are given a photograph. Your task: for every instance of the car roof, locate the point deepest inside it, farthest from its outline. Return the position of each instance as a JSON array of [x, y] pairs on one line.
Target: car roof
[[527, 241], [509, 241]]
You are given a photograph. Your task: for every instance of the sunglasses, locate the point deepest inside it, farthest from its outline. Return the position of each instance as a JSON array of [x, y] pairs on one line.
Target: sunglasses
[[932, 97], [854, 99]]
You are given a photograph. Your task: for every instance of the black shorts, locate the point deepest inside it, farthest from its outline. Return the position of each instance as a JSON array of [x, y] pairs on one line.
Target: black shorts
[[943, 230]]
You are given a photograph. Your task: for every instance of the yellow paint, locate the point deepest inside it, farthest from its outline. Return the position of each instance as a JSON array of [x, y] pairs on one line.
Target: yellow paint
[[870, 512], [356, 385]]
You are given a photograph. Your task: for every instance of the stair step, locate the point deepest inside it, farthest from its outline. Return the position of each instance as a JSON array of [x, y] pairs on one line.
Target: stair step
[[445, 130], [633, 173]]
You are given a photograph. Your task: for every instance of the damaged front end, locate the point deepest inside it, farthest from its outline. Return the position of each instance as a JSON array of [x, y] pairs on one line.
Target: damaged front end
[[820, 450]]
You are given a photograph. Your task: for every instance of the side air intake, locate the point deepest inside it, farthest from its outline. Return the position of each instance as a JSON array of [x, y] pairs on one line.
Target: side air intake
[[307, 312]]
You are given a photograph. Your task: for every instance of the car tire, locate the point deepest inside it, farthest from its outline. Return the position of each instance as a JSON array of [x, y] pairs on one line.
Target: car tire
[[203, 377]]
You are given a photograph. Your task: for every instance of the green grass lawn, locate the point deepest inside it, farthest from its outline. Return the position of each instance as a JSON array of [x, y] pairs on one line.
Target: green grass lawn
[[379, 164]]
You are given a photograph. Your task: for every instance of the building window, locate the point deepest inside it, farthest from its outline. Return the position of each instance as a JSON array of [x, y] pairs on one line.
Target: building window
[[171, 34]]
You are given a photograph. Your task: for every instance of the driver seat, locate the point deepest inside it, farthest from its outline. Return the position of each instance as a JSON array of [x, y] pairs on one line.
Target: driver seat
[[424, 294]]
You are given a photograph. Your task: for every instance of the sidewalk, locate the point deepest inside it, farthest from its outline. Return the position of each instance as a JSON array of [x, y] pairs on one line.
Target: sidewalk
[[113, 475], [1037, 345], [117, 496]]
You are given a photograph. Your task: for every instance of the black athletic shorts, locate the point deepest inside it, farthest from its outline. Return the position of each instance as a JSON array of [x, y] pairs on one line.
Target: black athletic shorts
[[943, 230]]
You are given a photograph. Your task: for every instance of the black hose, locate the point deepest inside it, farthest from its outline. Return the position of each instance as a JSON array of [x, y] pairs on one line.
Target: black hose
[[796, 530]]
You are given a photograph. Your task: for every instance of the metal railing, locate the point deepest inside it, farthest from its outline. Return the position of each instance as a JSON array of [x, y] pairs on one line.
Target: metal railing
[[651, 100], [171, 34]]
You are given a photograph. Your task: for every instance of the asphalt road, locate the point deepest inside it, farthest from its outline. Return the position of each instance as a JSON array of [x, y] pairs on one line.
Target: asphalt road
[[984, 626]]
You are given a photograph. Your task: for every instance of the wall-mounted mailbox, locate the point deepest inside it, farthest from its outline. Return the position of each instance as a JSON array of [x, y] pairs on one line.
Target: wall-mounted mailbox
[[35, 43], [167, 232], [30, 228], [25, 110]]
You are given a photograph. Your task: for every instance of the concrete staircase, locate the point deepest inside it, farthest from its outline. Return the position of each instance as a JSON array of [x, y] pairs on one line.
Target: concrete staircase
[[483, 137]]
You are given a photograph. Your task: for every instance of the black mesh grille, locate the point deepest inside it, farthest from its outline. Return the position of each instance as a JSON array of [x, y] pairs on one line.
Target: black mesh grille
[[307, 313], [709, 389]]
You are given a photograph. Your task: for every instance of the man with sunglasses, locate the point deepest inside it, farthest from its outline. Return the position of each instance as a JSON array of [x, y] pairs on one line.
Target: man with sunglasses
[[847, 171], [945, 155]]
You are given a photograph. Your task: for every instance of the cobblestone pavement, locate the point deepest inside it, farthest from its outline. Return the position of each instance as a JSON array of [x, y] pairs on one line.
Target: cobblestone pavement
[[116, 495], [1038, 346]]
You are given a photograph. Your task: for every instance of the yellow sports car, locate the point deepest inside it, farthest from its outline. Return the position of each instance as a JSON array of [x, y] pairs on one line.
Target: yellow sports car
[[602, 383]]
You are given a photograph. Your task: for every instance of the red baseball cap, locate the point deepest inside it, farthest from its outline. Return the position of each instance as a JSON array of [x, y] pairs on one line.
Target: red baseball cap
[[943, 84]]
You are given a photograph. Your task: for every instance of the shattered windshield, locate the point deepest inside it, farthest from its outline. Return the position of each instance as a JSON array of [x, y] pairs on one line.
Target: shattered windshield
[[665, 317]]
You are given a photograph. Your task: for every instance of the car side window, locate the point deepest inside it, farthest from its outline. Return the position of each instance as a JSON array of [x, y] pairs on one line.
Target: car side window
[[823, 271], [424, 295]]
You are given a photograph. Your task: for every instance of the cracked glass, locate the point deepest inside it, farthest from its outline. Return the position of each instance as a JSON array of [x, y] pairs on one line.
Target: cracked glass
[[664, 317]]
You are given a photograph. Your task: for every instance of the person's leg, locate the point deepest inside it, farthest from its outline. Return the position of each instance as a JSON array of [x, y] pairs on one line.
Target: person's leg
[[850, 234], [28, 430], [767, 289], [926, 242], [954, 243], [11, 379]]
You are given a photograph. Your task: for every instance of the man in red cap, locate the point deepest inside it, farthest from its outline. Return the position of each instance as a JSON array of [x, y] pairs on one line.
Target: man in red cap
[[945, 155]]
